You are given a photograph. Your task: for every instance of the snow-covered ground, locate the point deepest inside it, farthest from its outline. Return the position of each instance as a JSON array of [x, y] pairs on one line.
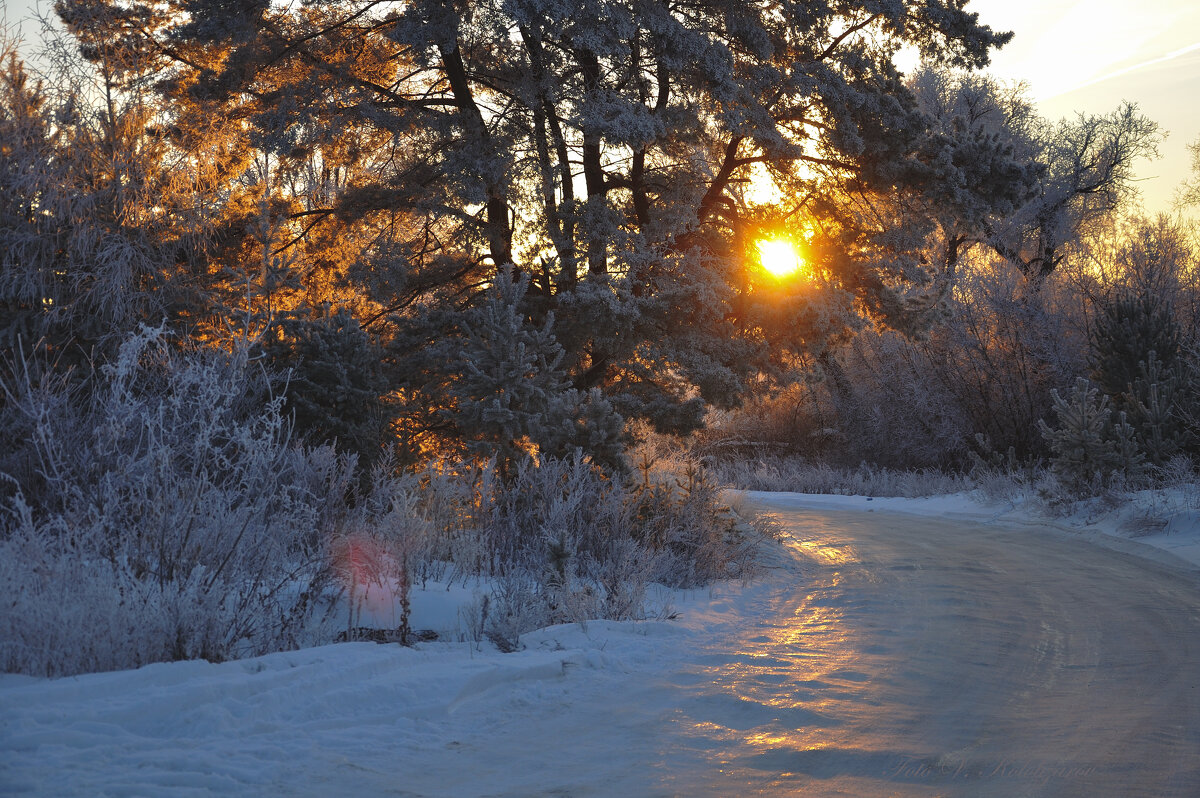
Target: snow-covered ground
[[439, 718], [606, 708]]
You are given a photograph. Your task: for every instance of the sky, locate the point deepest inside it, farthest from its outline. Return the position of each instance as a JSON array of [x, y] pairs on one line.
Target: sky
[[1083, 56], [1087, 56]]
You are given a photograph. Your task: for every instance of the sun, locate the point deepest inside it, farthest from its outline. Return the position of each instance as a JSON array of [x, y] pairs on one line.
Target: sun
[[779, 256]]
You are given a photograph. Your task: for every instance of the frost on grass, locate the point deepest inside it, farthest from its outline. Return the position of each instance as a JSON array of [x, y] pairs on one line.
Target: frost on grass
[[160, 520], [170, 515]]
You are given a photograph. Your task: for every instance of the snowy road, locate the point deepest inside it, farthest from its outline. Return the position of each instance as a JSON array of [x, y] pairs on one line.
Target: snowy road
[[895, 656], [940, 657]]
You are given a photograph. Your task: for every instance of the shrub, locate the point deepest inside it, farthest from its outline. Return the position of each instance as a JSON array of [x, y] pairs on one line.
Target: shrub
[[164, 512], [796, 474], [169, 516], [567, 543]]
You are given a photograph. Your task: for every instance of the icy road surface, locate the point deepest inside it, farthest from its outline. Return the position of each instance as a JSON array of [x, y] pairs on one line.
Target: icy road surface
[[885, 655]]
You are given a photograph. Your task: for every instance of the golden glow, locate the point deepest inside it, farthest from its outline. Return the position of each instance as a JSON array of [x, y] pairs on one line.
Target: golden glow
[[804, 690], [779, 256], [827, 553]]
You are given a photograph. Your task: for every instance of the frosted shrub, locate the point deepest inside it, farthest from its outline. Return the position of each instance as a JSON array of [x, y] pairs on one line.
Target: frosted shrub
[[684, 521], [456, 505], [163, 512], [798, 475], [568, 544], [377, 551], [169, 517], [548, 538]]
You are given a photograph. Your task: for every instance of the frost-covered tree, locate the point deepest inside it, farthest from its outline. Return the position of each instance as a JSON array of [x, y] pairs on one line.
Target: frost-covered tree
[[333, 380], [1159, 399], [100, 228], [500, 390], [1136, 360], [1189, 190], [1024, 186], [1091, 443], [970, 164], [1086, 174], [408, 151], [1131, 331]]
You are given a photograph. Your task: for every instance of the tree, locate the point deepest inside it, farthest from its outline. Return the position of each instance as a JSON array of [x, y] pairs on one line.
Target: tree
[[1189, 191], [971, 164], [451, 137], [1024, 186], [1092, 443], [1131, 331], [1136, 360], [1087, 173], [333, 380], [498, 390]]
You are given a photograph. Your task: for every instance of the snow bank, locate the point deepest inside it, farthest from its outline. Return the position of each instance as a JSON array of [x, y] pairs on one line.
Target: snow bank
[[437, 719], [289, 723]]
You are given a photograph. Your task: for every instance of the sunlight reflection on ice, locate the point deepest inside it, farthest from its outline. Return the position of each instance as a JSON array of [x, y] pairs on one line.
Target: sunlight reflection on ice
[[793, 679], [904, 657]]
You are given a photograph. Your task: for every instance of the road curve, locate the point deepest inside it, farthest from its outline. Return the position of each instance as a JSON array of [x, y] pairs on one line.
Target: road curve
[[883, 655], [921, 657]]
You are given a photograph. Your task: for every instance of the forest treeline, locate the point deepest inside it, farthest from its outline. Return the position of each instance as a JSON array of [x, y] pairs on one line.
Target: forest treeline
[[277, 278], [1090, 372]]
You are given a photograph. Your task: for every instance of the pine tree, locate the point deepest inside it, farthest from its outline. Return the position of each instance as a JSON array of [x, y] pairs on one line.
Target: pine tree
[[504, 393], [1157, 398], [409, 151], [1131, 330], [1136, 361], [1189, 404], [1091, 443], [333, 380]]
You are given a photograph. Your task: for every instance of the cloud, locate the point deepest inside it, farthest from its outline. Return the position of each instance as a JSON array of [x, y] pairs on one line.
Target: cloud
[[1182, 51]]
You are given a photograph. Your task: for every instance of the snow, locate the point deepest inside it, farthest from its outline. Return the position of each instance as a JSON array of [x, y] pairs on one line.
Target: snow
[[582, 709], [1147, 524], [353, 718], [281, 723]]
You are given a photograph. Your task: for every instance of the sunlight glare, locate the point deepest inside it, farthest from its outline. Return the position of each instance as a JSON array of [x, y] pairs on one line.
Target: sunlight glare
[[779, 256]]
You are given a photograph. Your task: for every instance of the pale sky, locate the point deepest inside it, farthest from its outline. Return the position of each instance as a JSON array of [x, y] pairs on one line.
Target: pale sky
[[1089, 55], [1083, 56]]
